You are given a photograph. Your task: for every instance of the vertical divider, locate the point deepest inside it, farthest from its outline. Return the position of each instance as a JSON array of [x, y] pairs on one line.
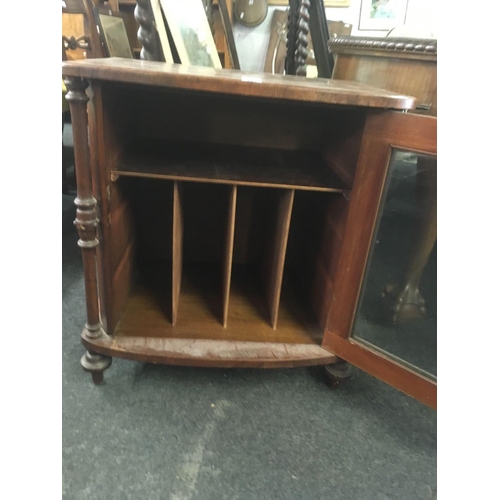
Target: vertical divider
[[228, 257], [177, 237], [275, 262]]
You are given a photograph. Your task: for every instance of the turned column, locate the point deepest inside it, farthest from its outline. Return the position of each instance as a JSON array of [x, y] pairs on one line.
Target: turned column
[[291, 37], [147, 33], [86, 222], [302, 32]]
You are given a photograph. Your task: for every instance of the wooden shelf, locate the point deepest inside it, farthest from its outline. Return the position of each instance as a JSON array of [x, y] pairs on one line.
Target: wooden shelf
[[146, 313], [233, 165]]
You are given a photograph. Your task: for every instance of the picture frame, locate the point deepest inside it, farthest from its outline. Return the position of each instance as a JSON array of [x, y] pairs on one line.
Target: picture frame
[[228, 33], [113, 33], [162, 32], [382, 15], [191, 34]]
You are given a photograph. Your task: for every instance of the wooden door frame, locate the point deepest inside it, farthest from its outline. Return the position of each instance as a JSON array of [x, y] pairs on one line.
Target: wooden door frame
[[383, 132]]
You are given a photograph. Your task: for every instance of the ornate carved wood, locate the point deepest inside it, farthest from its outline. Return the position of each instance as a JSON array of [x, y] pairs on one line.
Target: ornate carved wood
[[291, 37], [72, 43], [409, 45], [86, 220], [147, 33], [302, 32]]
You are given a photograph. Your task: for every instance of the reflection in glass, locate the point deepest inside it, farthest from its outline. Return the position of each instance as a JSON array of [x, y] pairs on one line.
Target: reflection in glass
[[397, 311]]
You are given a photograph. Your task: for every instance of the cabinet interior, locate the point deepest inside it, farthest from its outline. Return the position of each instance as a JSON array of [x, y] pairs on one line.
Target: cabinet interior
[[222, 225]]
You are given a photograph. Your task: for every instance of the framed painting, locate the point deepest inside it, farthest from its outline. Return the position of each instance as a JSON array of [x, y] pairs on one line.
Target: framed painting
[[382, 15], [113, 33], [193, 39]]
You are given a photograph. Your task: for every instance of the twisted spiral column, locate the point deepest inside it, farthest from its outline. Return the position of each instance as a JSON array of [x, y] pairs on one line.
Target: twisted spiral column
[[303, 31], [147, 34], [291, 37]]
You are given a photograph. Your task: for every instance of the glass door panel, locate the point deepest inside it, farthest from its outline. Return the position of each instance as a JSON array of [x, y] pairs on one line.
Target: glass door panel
[[397, 311]]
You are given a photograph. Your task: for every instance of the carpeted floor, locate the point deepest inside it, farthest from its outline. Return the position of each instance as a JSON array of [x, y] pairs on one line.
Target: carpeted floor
[[171, 433]]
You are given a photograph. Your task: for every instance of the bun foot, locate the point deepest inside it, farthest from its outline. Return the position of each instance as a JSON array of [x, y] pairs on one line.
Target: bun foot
[[95, 364], [337, 373]]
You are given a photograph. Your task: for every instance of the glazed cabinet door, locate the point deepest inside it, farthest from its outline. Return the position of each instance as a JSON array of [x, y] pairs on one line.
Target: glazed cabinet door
[[383, 316]]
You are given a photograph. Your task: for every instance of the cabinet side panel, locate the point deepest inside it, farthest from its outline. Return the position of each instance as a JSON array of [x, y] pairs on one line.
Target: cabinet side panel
[[344, 142], [94, 111], [120, 286], [112, 128], [327, 259]]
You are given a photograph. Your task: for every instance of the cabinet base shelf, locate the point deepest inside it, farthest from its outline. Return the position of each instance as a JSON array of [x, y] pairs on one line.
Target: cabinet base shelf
[[210, 353]]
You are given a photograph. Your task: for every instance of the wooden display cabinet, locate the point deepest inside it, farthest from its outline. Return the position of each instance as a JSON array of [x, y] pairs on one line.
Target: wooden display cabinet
[[225, 218]]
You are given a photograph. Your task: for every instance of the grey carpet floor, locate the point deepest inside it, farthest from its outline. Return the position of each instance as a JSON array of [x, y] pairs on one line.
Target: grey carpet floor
[[174, 433]]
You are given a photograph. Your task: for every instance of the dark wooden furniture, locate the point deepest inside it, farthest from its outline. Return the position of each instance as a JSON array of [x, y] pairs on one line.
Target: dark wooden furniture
[[403, 65], [225, 219]]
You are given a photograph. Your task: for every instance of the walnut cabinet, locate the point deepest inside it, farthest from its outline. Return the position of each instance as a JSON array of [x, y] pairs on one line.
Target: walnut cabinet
[[227, 219]]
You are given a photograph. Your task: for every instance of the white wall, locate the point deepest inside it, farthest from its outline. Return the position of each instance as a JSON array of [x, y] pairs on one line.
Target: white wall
[[252, 43]]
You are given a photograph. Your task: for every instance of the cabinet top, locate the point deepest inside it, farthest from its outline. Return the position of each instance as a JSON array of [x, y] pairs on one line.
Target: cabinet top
[[235, 82]]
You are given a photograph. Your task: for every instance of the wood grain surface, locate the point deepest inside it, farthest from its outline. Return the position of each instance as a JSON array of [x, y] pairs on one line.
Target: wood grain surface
[[228, 255], [235, 82], [177, 248], [146, 313], [276, 253], [211, 353]]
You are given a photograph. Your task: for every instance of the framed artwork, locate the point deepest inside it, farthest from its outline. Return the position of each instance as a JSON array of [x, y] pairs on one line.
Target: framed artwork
[[162, 32], [113, 33], [382, 15], [193, 39]]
